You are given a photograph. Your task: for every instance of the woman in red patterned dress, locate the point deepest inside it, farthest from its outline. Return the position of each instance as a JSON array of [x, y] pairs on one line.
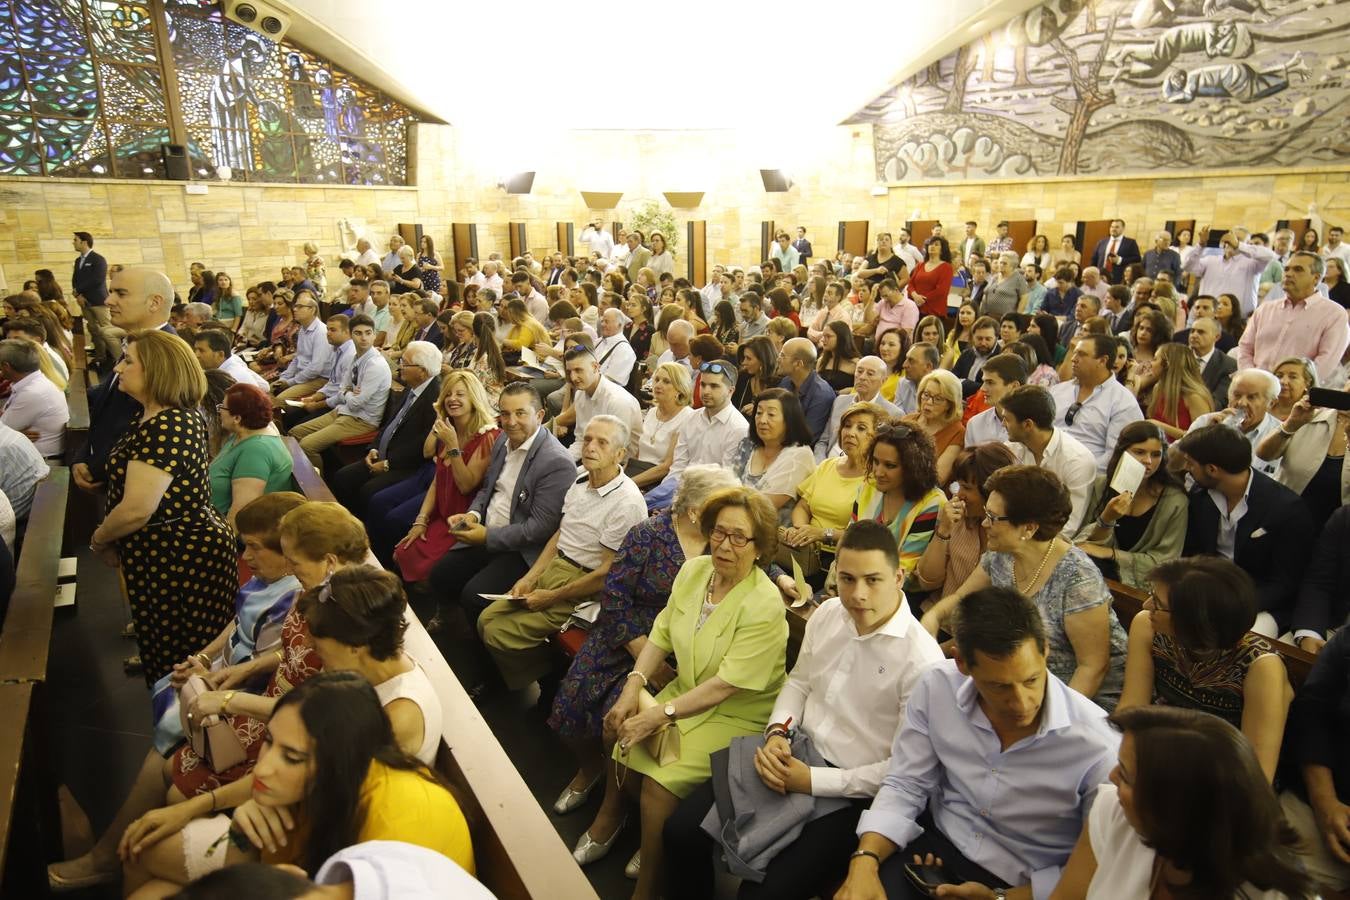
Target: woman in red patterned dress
[[317, 539]]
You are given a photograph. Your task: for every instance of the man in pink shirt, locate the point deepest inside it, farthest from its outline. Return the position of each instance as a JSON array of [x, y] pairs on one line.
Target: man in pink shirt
[[1304, 323], [895, 309]]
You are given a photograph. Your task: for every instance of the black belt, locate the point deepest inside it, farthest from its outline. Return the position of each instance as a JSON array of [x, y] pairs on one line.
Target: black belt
[[565, 558]]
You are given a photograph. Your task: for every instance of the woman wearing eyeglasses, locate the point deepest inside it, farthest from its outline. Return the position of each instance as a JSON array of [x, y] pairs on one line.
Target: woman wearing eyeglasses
[[1192, 646], [253, 460], [939, 416], [901, 489], [724, 623], [776, 456], [959, 536], [1026, 509]]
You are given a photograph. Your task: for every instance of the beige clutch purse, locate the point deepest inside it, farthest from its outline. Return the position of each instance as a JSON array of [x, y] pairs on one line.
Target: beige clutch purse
[[664, 745]]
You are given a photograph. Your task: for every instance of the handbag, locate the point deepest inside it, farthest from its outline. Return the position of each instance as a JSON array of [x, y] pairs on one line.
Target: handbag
[[211, 737], [664, 744]]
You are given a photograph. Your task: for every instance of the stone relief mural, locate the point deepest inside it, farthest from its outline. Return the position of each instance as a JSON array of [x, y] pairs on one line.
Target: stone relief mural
[[1120, 86]]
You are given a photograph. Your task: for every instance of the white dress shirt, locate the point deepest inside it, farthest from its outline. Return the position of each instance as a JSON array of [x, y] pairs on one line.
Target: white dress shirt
[[493, 283], [237, 369], [986, 427], [609, 399], [35, 404], [598, 517], [1073, 463], [393, 870], [21, 468], [499, 504], [710, 440], [1226, 541], [848, 692], [1098, 422], [617, 358], [911, 254], [369, 258], [536, 304]]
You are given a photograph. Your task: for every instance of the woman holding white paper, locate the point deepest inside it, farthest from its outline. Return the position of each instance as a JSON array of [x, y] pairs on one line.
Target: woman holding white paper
[[1136, 517]]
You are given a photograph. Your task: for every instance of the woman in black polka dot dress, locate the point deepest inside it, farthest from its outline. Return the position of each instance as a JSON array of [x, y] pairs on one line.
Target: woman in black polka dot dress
[[178, 561]]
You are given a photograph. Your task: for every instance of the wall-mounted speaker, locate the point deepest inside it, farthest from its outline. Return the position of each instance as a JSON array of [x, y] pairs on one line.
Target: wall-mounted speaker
[[263, 18], [775, 180], [518, 183]]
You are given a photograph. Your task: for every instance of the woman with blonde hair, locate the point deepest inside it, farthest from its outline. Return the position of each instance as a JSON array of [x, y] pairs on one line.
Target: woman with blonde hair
[[1296, 374], [672, 391], [252, 330], [662, 261], [461, 440], [525, 330], [1174, 394], [461, 353], [314, 268], [939, 416], [177, 556]]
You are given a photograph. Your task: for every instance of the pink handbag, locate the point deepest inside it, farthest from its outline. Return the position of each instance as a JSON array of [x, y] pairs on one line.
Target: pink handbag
[[212, 737]]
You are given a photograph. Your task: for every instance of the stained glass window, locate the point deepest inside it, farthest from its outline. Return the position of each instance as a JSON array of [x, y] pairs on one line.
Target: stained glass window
[[82, 93]]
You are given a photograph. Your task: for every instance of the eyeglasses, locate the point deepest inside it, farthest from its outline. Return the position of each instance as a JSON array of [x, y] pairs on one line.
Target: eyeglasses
[[991, 518], [932, 398], [222, 408], [1071, 412], [900, 431], [737, 539], [1152, 601], [715, 368]]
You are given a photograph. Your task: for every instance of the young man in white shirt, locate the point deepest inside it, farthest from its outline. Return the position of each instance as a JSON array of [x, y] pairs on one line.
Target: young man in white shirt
[[592, 395], [1000, 375], [357, 405], [1029, 415], [828, 745], [708, 439], [212, 348]]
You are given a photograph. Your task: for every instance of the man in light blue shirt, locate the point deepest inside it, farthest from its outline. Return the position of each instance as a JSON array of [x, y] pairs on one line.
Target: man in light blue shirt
[[341, 353], [784, 253], [308, 369], [994, 768], [356, 404], [1093, 406]]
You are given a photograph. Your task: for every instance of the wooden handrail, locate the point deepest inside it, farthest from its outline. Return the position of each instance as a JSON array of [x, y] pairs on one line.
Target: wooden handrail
[[518, 851], [302, 471], [25, 641], [15, 701]]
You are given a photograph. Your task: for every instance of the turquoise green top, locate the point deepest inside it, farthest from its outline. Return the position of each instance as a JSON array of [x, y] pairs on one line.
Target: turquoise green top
[[258, 456], [230, 308]]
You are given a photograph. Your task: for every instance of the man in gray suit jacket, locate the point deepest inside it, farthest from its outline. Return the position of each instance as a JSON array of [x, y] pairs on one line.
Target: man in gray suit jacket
[[638, 255], [515, 513], [1216, 367]]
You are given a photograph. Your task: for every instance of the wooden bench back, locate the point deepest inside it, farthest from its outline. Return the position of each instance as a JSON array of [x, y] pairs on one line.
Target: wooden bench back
[[26, 639], [307, 481], [518, 852]]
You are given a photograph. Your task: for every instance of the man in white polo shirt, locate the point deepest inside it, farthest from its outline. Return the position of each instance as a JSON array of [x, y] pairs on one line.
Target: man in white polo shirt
[[593, 395], [615, 354]]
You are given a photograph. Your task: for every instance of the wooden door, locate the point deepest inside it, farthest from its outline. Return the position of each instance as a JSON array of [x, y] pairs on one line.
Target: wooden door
[[1172, 227], [853, 237], [696, 252], [1298, 226], [412, 236], [566, 239], [465, 239], [766, 233], [516, 234], [1022, 231], [920, 231], [1088, 234]]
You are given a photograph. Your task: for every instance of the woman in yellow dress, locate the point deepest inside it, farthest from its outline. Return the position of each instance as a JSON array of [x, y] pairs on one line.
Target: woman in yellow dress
[[724, 623]]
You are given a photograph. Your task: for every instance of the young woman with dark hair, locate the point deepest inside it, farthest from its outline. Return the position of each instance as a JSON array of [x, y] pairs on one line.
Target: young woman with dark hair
[[838, 357], [901, 489], [756, 363], [1187, 815], [331, 774]]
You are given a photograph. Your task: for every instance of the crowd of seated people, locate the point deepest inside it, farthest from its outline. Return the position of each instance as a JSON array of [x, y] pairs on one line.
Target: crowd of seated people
[[926, 452]]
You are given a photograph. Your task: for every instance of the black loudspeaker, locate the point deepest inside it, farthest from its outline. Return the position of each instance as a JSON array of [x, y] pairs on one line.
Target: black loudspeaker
[[775, 181], [519, 183], [175, 161]]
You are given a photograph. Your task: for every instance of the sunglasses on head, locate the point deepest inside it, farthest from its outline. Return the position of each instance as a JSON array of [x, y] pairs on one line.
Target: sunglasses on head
[[716, 368]]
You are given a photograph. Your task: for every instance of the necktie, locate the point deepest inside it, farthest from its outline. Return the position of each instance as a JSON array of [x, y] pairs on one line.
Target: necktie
[[388, 434], [1111, 256]]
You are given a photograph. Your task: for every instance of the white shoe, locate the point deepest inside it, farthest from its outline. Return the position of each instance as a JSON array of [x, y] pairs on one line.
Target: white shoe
[[588, 850], [570, 799], [634, 867]]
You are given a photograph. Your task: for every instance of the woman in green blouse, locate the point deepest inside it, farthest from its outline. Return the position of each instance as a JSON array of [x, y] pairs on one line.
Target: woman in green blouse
[[253, 461], [724, 623]]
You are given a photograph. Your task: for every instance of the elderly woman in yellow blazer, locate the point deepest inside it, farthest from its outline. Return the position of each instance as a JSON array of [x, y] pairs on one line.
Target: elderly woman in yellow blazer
[[724, 622]]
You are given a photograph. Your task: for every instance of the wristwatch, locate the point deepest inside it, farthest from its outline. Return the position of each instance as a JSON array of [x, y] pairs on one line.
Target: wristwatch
[[453, 451], [669, 710]]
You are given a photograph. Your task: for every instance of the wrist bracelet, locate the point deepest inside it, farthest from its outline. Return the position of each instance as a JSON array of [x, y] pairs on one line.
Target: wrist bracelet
[[1288, 434], [213, 801], [203, 659], [1104, 524], [639, 675], [857, 853], [778, 732], [225, 704], [940, 536]]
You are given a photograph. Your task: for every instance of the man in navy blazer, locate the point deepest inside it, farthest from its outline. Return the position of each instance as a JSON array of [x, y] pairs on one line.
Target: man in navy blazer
[[89, 283], [1248, 517], [1115, 252], [516, 511], [141, 299]]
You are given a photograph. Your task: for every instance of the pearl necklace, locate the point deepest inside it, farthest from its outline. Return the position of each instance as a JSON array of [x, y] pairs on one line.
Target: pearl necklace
[[1026, 591]]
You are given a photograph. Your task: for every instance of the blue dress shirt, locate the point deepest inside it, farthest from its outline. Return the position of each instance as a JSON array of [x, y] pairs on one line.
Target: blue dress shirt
[[339, 371], [312, 352], [817, 401], [366, 389], [1016, 812]]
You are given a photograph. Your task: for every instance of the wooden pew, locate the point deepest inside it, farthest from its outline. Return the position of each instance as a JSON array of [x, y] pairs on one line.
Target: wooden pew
[[518, 852], [26, 639], [1129, 602], [307, 481]]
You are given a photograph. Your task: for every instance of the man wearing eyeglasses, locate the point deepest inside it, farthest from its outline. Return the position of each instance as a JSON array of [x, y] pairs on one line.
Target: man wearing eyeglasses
[[309, 367], [868, 376], [1093, 406], [593, 394], [797, 365], [398, 451], [712, 438], [1303, 323]]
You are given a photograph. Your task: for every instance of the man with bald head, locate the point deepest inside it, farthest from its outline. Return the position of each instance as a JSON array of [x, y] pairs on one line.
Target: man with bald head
[[797, 365], [138, 299], [868, 376]]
